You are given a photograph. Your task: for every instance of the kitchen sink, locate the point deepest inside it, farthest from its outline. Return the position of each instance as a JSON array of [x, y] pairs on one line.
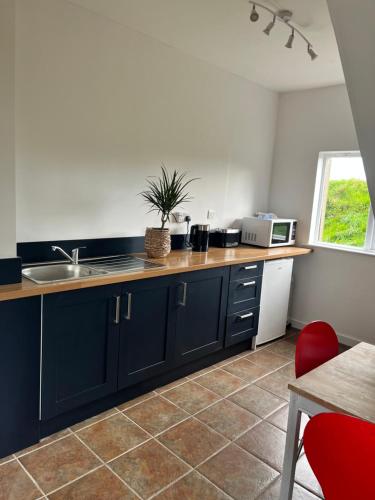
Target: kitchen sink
[[59, 272], [118, 264]]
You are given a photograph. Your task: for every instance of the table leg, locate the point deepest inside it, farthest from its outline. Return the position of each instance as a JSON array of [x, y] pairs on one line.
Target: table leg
[[291, 449]]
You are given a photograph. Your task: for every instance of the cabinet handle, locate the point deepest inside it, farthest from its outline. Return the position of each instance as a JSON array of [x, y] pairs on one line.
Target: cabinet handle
[[129, 311], [117, 313], [249, 283], [245, 316], [247, 268], [184, 292]]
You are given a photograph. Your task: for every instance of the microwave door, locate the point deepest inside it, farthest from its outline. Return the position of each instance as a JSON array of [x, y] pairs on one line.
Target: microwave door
[[280, 233]]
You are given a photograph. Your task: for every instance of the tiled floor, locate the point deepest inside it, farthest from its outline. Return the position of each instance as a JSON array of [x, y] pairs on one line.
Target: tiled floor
[[216, 434]]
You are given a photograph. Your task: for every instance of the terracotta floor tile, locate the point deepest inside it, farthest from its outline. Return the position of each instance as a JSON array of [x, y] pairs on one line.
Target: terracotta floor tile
[[265, 442], [192, 487], [149, 468], [191, 397], [267, 359], [112, 436], [221, 382], [238, 473], [59, 462], [167, 387], [100, 484], [280, 419], [228, 418], [93, 419], [192, 441], [6, 459], [15, 484], [273, 492], [135, 401], [258, 401], [199, 373], [288, 371], [44, 441], [246, 370], [156, 415], [283, 348], [275, 383], [306, 478]]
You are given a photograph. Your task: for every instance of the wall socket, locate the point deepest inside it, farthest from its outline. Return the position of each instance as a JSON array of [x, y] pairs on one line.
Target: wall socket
[[211, 214], [179, 217]]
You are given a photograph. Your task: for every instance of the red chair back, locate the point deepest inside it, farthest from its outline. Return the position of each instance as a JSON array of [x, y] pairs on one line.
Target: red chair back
[[317, 343], [341, 452]]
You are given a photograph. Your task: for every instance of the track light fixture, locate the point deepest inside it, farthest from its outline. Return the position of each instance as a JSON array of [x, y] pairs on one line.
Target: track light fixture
[[289, 43], [267, 31], [283, 16], [254, 16]]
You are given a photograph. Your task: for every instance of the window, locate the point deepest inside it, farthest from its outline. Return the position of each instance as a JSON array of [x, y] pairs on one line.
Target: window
[[342, 214]]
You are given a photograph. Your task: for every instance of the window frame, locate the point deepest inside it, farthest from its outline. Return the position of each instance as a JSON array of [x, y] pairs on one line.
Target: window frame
[[318, 213]]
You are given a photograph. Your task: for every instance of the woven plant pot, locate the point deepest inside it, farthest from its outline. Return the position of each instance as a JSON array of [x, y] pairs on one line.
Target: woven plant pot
[[157, 242]]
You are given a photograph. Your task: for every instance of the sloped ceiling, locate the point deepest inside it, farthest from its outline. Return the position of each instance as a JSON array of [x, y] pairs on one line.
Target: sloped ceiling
[[219, 32], [353, 21]]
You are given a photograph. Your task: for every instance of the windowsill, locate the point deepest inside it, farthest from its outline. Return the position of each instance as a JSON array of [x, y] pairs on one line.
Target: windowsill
[[341, 249]]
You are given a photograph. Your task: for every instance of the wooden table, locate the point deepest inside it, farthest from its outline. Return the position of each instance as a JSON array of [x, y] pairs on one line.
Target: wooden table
[[345, 384]]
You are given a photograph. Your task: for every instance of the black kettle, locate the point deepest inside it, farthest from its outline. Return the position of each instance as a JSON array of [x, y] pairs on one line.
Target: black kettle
[[199, 237]]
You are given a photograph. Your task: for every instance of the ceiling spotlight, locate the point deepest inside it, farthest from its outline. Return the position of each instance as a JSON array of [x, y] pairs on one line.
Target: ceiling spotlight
[[267, 31], [254, 16], [289, 43], [311, 52]]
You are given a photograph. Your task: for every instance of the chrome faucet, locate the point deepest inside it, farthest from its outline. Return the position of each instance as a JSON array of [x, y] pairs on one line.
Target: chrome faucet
[[74, 259]]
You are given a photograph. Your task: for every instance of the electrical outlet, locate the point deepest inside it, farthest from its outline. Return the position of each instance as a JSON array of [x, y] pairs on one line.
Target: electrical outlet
[[179, 217], [211, 214]]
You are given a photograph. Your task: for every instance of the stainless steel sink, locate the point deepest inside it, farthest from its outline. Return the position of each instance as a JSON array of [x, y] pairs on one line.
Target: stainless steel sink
[[59, 272]]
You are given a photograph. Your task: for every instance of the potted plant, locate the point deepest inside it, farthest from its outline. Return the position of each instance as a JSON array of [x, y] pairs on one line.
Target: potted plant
[[163, 195]]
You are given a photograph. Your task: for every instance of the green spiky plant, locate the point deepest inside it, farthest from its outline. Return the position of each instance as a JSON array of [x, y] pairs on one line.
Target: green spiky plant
[[165, 193]]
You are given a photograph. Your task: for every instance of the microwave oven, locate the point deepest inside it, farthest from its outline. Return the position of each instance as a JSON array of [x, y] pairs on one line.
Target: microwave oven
[[268, 233]]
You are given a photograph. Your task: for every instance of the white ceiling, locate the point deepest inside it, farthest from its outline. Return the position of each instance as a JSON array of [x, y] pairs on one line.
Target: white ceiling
[[219, 32]]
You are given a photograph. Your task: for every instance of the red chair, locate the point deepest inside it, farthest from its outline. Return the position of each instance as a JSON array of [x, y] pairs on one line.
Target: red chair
[[317, 343], [341, 452]]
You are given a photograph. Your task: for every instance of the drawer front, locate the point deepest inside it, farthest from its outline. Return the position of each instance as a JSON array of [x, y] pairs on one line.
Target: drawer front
[[242, 326], [247, 270], [244, 294]]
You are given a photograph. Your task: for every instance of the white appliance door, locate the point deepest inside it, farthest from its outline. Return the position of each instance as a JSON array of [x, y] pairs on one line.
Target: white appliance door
[[274, 301]]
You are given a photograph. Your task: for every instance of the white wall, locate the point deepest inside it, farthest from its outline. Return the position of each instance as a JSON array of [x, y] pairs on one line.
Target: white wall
[[329, 285], [7, 163], [353, 21], [99, 107]]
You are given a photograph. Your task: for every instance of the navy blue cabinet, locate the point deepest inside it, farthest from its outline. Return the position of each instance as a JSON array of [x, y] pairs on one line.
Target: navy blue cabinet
[[200, 303], [80, 348], [146, 333], [19, 374]]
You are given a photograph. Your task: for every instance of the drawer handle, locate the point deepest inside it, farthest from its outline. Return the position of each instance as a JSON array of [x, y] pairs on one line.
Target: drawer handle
[[245, 316], [184, 292], [249, 283], [248, 268], [129, 311], [117, 313]]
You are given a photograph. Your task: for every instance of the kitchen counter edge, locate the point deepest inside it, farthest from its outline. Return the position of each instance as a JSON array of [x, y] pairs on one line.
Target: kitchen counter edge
[[178, 261]]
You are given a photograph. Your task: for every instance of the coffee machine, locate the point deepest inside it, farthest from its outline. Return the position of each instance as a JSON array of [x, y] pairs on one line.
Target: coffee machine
[[199, 237]]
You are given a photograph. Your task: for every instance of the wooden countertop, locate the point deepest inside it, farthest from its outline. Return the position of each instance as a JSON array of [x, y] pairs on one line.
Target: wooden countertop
[[345, 384], [178, 261]]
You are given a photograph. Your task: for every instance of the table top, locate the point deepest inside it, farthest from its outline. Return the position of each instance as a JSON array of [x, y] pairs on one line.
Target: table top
[[345, 384]]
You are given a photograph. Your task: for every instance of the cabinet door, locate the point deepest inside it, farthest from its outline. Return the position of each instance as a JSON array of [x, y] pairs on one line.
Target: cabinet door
[[80, 348], [19, 374], [201, 300], [146, 334]]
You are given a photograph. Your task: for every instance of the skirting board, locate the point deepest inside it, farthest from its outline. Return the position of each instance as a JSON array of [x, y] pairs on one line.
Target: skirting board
[[343, 339]]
